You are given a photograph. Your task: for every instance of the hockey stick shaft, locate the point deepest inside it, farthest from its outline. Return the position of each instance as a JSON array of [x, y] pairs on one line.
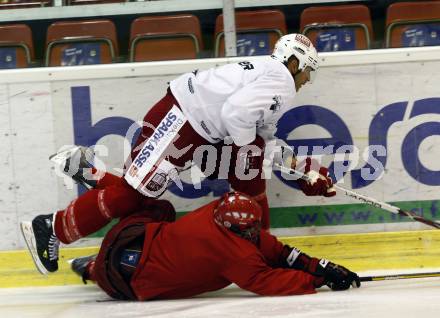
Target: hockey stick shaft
[[386, 206], [398, 276], [367, 200]]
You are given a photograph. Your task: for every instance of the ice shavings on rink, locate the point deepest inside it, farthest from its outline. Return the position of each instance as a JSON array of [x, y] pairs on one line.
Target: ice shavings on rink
[[397, 298]]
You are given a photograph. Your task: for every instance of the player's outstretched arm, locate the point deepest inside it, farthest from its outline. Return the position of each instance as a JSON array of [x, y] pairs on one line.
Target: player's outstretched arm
[[335, 276], [253, 274], [278, 255]]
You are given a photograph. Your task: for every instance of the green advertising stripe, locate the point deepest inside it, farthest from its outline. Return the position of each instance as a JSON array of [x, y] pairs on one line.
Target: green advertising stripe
[[340, 214], [348, 214]]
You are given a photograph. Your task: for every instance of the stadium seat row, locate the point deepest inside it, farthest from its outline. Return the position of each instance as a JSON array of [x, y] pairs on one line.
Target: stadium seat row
[[18, 4], [152, 38]]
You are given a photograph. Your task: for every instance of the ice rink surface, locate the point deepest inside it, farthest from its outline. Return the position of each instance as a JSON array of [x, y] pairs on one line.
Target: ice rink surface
[[397, 298]]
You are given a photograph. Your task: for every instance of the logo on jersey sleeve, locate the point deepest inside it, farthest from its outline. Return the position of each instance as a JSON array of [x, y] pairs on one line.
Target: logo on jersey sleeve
[[190, 86], [277, 103], [247, 66]]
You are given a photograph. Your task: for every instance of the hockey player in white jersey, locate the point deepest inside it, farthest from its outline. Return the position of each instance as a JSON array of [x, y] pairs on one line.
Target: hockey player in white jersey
[[234, 107]]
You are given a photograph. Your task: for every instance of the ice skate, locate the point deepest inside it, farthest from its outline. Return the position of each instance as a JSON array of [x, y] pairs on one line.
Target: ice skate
[[80, 266], [75, 163], [42, 243]]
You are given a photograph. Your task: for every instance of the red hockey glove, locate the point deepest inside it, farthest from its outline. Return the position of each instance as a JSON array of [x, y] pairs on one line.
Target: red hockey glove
[[320, 182], [335, 276]]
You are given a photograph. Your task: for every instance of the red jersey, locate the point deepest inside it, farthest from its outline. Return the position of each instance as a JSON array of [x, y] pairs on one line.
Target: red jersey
[[194, 255]]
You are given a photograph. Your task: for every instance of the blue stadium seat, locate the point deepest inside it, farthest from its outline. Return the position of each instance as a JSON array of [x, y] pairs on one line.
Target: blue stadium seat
[[16, 47], [71, 43], [338, 28], [413, 24], [257, 32]]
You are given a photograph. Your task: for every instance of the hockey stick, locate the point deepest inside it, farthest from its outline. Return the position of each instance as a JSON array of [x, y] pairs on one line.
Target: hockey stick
[[398, 276], [368, 200]]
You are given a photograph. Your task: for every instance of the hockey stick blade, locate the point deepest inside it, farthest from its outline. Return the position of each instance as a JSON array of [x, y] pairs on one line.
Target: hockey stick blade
[[398, 276], [367, 200], [420, 219]]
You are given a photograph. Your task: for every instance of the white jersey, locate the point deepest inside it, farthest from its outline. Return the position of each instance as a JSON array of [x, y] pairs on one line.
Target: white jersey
[[239, 100]]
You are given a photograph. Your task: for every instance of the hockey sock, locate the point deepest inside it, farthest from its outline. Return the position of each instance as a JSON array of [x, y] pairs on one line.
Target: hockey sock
[[93, 210], [89, 273], [106, 179]]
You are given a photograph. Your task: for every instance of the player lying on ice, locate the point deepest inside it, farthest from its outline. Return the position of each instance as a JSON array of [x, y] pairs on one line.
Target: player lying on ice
[[147, 256], [239, 102]]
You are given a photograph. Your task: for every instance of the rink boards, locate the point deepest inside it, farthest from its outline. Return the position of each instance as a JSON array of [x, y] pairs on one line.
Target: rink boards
[[409, 251], [389, 98]]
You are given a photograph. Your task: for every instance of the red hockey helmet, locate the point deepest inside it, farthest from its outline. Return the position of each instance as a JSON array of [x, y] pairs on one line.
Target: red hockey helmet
[[239, 214]]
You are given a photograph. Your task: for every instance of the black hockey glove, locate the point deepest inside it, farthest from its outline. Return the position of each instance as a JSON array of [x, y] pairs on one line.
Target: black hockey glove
[[335, 276]]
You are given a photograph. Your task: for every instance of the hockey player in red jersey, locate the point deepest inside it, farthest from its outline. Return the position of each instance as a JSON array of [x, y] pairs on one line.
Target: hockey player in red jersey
[[232, 108], [206, 250]]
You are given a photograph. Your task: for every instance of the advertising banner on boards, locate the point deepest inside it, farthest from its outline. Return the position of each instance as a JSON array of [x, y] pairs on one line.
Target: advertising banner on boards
[[376, 126]]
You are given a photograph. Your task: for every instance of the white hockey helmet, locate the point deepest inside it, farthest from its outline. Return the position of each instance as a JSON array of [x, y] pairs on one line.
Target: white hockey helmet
[[299, 46]]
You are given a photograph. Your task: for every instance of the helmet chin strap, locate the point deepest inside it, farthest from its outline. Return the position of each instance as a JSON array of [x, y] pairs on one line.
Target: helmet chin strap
[[297, 69], [295, 74], [294, 78]]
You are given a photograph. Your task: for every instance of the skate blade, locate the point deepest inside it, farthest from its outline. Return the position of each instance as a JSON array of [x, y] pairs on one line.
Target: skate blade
[[60, 157], [72, 155], [29, 238]]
